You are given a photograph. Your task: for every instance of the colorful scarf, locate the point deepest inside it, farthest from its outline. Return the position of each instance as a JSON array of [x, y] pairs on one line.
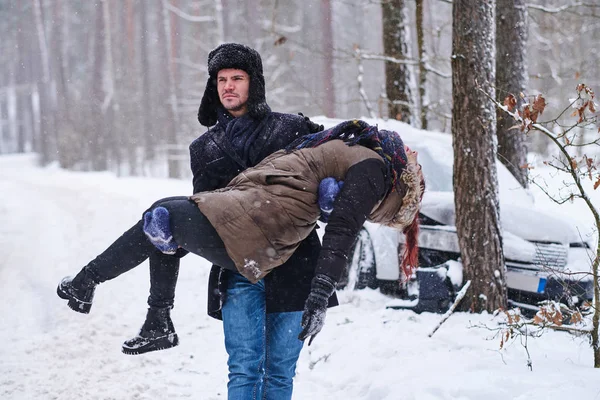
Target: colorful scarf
[[385, 143]]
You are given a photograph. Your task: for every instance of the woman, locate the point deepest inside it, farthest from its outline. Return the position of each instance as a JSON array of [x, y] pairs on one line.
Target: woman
[[257, 222]]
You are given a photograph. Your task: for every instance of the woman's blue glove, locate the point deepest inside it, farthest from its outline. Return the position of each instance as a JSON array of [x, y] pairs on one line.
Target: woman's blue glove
[[328, 191], [157, 227]]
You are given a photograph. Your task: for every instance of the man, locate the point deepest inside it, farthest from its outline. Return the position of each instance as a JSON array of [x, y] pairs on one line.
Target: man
[[262, 345]]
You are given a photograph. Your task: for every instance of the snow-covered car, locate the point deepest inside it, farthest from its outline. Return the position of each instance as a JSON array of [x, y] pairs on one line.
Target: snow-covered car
[[545, 255]]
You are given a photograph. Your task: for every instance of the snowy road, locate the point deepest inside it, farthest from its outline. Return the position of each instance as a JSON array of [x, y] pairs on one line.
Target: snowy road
[[52, 222], [51, 225]]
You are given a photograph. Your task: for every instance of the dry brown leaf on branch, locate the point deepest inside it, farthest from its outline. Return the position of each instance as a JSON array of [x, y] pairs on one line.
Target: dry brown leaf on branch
[[527, 166], [510, 102], [597, 183], [280, 40], [589, 162], [539, 104], [580, 111], [573, 163], [557, 318], [590, 165], [537, 108], [589, 91], [576, 317]]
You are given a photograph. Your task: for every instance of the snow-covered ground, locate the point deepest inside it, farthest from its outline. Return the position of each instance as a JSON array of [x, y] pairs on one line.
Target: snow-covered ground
[[53, 221]]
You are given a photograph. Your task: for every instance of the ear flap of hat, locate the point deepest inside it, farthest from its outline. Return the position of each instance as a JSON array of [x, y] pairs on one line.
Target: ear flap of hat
[[257, 103], [207, 112]]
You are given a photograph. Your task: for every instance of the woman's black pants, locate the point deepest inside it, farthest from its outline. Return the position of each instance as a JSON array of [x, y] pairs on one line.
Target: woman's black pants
[[192, 231]]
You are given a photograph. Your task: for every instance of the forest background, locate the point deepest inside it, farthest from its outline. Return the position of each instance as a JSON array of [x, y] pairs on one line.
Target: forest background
[[116, 84]]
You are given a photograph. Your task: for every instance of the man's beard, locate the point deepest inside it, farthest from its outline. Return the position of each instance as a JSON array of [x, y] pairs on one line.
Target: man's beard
[[236, 108]]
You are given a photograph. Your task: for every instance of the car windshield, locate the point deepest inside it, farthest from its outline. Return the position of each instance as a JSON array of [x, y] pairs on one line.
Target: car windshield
[[437, 160]]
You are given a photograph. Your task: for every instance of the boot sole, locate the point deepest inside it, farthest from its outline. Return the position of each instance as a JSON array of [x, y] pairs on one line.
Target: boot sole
[[74, 304], [162, 343]]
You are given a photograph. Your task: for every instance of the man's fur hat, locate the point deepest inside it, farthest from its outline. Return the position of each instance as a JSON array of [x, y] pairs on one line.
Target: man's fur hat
[[236, 56]]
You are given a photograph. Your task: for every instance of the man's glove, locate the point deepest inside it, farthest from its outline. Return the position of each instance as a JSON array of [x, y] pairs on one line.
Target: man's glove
[[315, 308], [312, 127], [329, 188]]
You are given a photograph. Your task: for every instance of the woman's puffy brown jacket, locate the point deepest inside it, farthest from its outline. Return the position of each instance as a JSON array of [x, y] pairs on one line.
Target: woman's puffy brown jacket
[[266, 211]]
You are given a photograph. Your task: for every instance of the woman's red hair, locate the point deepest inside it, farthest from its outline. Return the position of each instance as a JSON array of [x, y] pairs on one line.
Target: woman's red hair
[[410, 253]]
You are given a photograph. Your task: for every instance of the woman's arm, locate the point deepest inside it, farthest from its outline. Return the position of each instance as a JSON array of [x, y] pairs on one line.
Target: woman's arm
[[364, 186]]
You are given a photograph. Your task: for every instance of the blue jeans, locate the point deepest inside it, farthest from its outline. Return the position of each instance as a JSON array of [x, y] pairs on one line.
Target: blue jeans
[[263, 348]]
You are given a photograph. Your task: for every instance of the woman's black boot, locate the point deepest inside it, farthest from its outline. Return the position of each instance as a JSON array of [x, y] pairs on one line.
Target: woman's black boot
[[79, 290], [157, 333]]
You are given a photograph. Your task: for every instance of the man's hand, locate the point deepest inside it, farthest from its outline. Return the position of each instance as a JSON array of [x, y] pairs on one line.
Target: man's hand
[[312, 127], [315, 308]]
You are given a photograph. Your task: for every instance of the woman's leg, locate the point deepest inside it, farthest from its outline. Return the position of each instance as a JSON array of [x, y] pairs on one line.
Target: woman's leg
[[191, 230], [158, 331], [127, 252]]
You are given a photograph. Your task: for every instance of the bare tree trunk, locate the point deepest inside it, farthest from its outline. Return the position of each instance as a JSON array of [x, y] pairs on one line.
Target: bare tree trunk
[[97, 138], [46, 123], [511, 77], [475, 176], [423, 100], [397, 76], [23, 76], [328, 83], [110, 103], [69, 141], [219, 19], [172, 113], [131, 123], [253, 12], [149, 140]]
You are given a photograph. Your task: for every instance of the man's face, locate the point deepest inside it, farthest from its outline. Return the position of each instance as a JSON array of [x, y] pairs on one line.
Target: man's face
[[233, 86]]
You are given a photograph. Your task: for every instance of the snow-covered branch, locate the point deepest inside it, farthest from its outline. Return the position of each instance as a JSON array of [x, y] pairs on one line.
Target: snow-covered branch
[[379, 57], [554, 10], [434, 71], [186, 16], [361, 88], [459, 297]]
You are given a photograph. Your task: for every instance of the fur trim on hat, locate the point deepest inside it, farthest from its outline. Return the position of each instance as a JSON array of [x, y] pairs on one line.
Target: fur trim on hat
[[235, 56]]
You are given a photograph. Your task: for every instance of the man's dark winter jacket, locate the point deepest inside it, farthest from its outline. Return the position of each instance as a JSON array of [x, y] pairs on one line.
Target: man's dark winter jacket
[[214, 164]]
